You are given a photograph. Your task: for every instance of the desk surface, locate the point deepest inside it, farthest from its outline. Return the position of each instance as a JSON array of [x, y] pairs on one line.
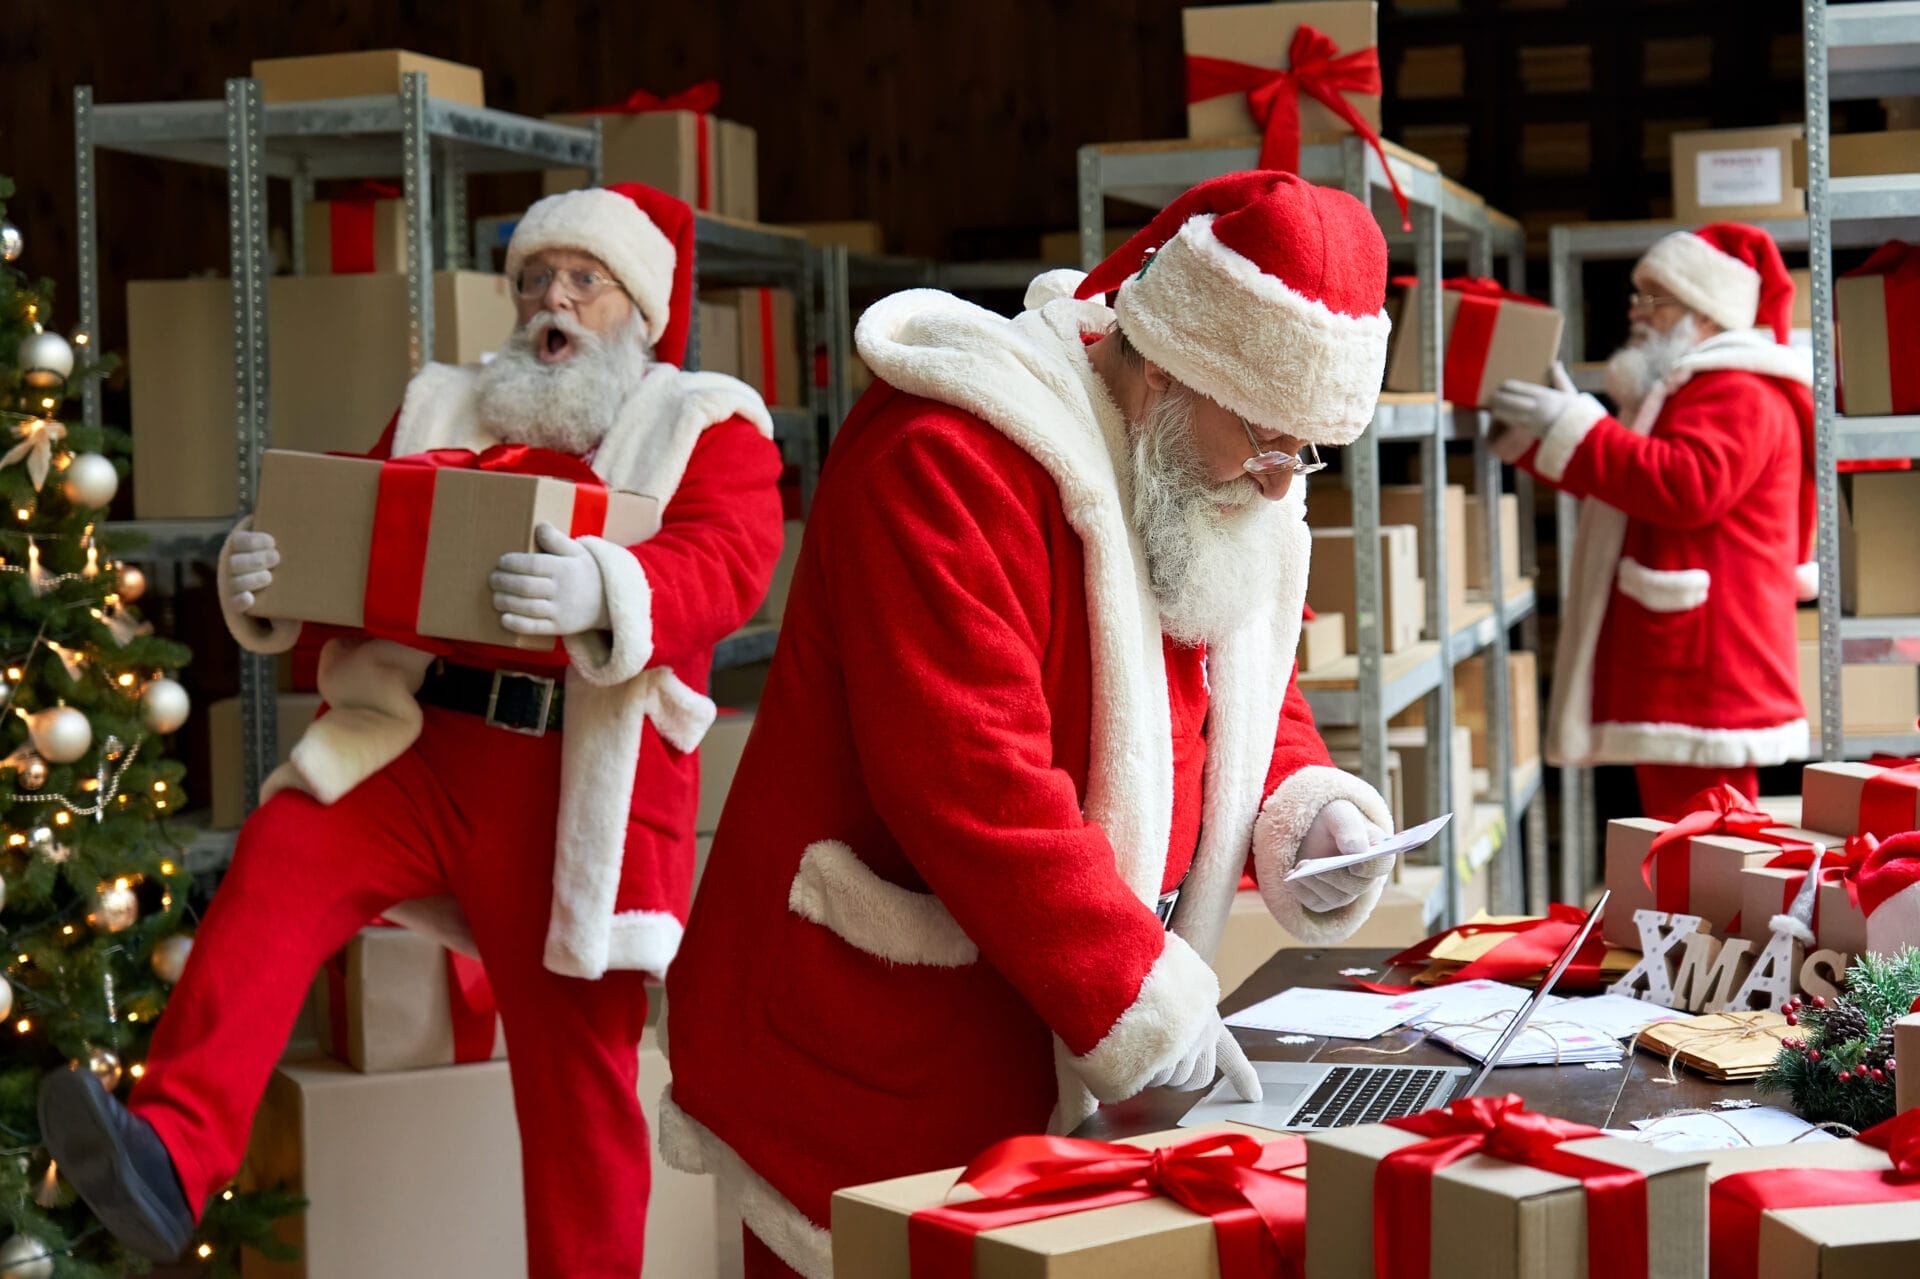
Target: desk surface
[[1602, 1098]]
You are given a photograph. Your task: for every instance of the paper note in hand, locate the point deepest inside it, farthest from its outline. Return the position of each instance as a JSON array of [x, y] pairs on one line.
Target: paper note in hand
[[1392, 846]]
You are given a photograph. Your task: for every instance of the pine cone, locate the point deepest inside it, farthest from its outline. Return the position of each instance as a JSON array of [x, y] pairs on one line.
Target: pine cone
[[1883, 1046], [1843, 1024]]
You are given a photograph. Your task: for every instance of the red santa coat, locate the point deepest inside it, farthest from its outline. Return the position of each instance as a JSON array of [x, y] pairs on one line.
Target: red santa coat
[[926, 919], [635, 694], [1678, 644]]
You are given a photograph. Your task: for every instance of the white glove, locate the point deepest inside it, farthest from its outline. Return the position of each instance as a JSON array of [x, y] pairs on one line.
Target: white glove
[[1213, 1047], [1339, 830], [249, 560], [555, 593], [1528, 410]]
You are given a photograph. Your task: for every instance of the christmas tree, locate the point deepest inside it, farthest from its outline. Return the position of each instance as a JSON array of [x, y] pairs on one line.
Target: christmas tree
[[94, 891]]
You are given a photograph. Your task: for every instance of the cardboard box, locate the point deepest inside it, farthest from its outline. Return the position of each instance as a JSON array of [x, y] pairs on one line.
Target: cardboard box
[[719, 338], [662, 149], [1906, 1043], [1873, 699], [856, 237], [1479, 563], [1524, 344], [1880, 545], [225, 782], [1260, 35], [1147, 1239], [1902, 113], [1063, 247], [1403, 604], [1766, 891], [1849, 1241], [180, 365], [320, 511], [1876, 329], [1323, 641], [774, 607], [1743, 175], [720, 754], [1831, 795], [1494, 1218], [331, 230], [392, 1010], [1715, 886], [1331, 506], [1523, 706], [1863, 155], [362, 74], [1523, 695], [768, 354]]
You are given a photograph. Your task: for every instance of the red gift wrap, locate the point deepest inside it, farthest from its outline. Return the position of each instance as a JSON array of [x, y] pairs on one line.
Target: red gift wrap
[[701, 99]]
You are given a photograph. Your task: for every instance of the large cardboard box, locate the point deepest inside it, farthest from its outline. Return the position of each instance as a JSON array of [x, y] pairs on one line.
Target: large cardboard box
[[1847, 1241], [1403, 604], [720, 754], [355, 236], [719, 338], [1523, 706], [856, 237], [180, 368], [1260, 35], [662, 149], [364, 73], [1863, 155], [1323, 641], [1875, 699], [1832, 794], [1479, 563], [1877, 319], [392, 1006], [1767, 891], [1491, 1218], [1522, 344], [225, 782], [1880, 545], [321, 510], [1331, 506], [1736, 175], [767, 357]]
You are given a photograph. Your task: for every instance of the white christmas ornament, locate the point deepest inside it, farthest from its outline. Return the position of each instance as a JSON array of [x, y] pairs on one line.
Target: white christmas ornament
[[170, 958], [12, 243], [91, 481], [60, 733], [24, 1258], [45, 359], [164, 705], [119, 907], [6, 999]]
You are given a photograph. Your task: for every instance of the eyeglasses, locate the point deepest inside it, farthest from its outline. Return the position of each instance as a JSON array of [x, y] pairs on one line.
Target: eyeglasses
[[1648, 301], [1267, 461], [576, 284]]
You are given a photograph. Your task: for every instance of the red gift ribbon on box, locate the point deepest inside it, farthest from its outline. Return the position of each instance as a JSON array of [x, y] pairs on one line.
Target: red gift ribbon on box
[[1899, 262], [403, 514], [1737, 1202], [1503, 1128], [1839, 866], [1258, 1214], [1718, 810], [1472, 336], [1530, 951], [769, 356], [701, 99], [1889, 798], [1315, 67], [470, 1000], [350, 249]]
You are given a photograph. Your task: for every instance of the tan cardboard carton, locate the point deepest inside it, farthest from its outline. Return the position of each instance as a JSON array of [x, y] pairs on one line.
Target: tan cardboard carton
[[662, 149], [1479, 566], [1880, 698], [1331, 587], [1832, 793], [393, 1008], [1523, 345], [1331, 506], [1323, 641], [389, 235], [1880, 545], [1261, 35], [1850, 1241], [364, 73], [225, 775], [1863, 155], [1737, 175]]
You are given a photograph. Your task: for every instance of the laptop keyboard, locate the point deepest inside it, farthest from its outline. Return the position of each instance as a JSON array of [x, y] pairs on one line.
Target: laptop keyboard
[[1368, 1094]]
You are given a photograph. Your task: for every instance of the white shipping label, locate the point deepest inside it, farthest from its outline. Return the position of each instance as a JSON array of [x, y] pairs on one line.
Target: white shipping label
[[1750, 175]]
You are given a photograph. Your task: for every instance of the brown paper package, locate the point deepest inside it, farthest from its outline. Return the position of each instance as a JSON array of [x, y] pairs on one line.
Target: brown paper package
[[365, 74], [1848, 1241], [397, 1013], [1525, 341], [1261, 35]]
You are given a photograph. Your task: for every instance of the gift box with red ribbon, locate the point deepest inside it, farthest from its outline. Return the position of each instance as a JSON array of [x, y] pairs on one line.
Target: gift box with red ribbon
[[1880, 797], [1818, 1210], [403, 548], [396, 1000], [676, 143], [1767, 890], [1877, 310], [1486, 1187], [757, 332], [1490, 334], [358, 233], [1223, 1201]]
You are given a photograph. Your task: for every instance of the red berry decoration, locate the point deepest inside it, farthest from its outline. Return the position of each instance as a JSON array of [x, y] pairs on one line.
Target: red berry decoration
[[1891, 1064], [1846, 1076], [1819, 1001], [1814, 1055], [1792, 1020], [1879, 1076]]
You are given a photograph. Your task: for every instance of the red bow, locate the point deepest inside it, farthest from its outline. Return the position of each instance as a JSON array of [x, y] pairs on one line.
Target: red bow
[[1316, 68], [1887, 800], [1259, 1216], [1530, 950], [1503, 1128], [1473, 286], [1718, 810], [1839, 865], [702, 98]]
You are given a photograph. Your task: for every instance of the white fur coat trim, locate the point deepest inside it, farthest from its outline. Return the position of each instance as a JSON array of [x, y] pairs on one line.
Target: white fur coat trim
[[1703, 747], [1284, 821], [1663, 590], [1602, 532], [1175, 1004], [836, 890], [1564, 438], [690, 1146]]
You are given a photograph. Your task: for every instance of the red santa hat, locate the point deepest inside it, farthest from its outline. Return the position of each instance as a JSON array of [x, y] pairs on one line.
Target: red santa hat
[[1729, 272], [644, 236], [1889, 885], [1264, 293]]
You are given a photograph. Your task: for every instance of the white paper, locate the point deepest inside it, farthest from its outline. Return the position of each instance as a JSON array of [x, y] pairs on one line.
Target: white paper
[[1746, 175], [1393, 845], [1466, 1001], [1615, 1015], [1544, 1042], [1336, 1014], [1726, 1130]]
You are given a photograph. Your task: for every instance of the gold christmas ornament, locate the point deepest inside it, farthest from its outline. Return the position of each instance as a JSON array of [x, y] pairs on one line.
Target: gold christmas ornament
[[130, 582], [45, 359], [50, 1189], [33, 774], [119, 907], [105, 1065]]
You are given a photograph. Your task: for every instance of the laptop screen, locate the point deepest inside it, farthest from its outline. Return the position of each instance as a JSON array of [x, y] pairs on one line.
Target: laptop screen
[[1525, 1013]]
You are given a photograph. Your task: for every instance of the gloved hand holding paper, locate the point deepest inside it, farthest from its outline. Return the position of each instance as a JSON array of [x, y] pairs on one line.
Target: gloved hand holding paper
[[1405, 842]]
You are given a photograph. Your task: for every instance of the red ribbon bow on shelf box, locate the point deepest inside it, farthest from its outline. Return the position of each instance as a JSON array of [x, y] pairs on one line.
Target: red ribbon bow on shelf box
[[1258, 1214], [1737, 1202], [1503, 1128], [1472, 335], [701, 99], [1315, 67]]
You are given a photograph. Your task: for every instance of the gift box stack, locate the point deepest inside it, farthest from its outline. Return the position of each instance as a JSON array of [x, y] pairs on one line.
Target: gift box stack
[[677, 144]]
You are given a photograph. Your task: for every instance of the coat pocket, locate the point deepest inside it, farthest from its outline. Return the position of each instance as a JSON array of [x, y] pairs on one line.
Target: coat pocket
[[1663, 614]]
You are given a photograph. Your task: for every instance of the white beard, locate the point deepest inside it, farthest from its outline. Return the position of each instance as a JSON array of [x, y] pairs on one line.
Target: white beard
[[1210, 548], [568, 407], [1644, 363]]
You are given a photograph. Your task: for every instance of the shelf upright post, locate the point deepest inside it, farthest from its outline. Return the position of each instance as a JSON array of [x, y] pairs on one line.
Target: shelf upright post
[[1826, 478], [416, 188], [302, 184], [1428, 256], [88, 216], [451, 212], [1093, 209], [1576, 819], [837, 322], [819, 404]]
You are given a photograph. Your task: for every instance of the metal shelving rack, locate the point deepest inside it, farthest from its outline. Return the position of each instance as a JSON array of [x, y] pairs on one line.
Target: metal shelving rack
[[1447, 220]]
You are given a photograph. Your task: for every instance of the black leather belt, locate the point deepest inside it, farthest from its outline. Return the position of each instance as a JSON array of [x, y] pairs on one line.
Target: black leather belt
[[513, 700]]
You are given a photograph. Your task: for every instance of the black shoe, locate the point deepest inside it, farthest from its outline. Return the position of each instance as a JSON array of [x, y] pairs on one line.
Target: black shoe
[[116, 1162]]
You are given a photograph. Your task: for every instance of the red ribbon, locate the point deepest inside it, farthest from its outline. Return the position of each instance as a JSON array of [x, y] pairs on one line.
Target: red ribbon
[[403, 513], [1718, 810], [1737, 1202], [1316, 68], [701, 99], [769, 354], [1839, 866], [1528, 952], [1503, 1128], [1889, 798], [1259, 1215], [1899, 263], [1471, 337], [350, 246]]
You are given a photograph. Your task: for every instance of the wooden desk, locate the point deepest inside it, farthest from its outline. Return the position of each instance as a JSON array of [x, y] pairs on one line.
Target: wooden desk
[[1602, 1098]]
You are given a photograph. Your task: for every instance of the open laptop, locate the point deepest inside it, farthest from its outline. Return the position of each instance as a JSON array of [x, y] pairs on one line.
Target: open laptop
[[1301, 1096]]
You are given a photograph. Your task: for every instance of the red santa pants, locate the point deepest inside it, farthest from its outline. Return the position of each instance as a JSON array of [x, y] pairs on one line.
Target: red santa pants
[[761, 1262], [1666, 788], [468, 810]]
